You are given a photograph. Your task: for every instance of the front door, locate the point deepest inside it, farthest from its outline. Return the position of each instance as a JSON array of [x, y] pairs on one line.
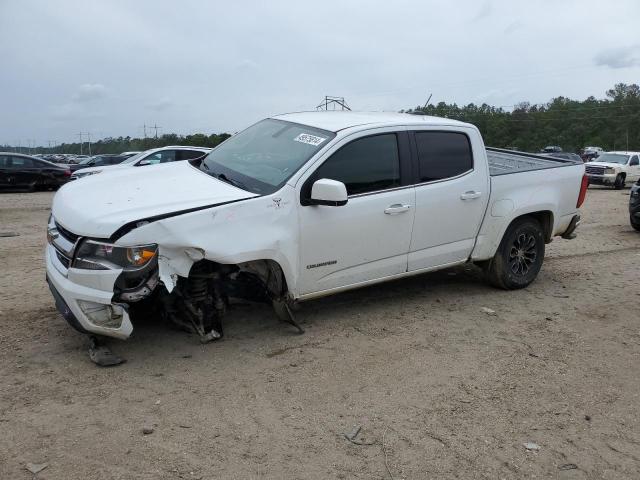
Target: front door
[[368, 238]]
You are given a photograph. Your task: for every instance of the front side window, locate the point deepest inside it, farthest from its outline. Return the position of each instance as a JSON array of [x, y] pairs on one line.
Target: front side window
[[4, 161], [442, 155], [161, 157], [634, 161], [365, 165]]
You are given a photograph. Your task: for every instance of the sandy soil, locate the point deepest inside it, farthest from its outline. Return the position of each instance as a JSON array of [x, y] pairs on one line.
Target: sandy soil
[[440, 388]]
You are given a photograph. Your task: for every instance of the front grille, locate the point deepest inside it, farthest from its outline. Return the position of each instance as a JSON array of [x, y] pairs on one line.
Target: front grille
[[71, 237], [63, 260], [593, 170]]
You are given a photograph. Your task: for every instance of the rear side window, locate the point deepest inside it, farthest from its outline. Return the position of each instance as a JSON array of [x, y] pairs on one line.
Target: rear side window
[[21, 162], [364, 165], [442, 155], [4, 161], [189, 154]]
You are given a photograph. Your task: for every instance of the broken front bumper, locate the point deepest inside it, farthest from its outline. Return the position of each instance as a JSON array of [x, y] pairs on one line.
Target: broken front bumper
[[84, 298]]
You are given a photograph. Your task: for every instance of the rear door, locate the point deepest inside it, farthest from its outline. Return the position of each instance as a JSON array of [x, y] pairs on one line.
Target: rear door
[[22, 172], [4, 170], [451, 196], [368, 238]]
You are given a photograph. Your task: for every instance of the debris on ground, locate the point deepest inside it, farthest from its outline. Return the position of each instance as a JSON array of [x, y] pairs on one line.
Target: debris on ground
[[352, 436], [488, 311], [532, 447], [9, 234], [147, 430], [102, 356], [36, 468], [568, 466]]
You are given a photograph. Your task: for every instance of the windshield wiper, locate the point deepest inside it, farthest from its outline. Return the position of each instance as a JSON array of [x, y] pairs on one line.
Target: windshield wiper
[[235, 183]]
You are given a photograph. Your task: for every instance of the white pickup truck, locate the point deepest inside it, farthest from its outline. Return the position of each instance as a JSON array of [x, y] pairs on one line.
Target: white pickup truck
[[299, 206], [614, 169]]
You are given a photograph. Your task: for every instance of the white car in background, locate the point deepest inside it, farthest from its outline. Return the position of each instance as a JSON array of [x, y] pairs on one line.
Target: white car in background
[[614, 169], [149, 157]]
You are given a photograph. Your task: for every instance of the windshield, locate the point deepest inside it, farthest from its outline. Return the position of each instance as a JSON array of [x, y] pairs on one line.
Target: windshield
[[613, 158], [263, 157], [84, 161]]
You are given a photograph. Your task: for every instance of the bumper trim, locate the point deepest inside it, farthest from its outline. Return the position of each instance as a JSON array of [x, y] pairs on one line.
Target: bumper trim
[[64, 309]]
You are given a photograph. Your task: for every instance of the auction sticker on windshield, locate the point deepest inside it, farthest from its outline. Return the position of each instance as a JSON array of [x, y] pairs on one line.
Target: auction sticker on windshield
[[309, 139]]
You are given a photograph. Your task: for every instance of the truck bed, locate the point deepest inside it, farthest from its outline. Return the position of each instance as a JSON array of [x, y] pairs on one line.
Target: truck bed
[[504, 162]]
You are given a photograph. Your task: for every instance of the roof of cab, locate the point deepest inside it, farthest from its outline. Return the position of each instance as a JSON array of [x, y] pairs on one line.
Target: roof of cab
[[337, 120]]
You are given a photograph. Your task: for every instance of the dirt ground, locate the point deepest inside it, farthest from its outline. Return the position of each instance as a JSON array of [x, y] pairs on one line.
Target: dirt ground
[[440, 388]]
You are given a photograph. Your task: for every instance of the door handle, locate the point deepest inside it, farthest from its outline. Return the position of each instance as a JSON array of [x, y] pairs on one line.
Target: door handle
[[470, 195], [397, 208]]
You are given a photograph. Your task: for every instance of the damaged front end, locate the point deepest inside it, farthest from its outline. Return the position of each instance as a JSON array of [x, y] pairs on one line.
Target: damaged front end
[[100, 286], [199, 301]]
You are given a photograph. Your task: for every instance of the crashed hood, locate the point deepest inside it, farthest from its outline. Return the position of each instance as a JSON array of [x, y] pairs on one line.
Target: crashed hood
[[96, 206]]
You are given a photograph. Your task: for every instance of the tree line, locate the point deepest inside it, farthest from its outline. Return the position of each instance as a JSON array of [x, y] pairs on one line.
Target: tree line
[[128, 144], [612, 123]]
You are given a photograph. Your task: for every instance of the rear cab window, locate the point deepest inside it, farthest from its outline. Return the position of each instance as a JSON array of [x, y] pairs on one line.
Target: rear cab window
[[442, 155]]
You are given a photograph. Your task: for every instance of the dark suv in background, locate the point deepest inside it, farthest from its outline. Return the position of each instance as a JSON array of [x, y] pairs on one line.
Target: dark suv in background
[[634, 206]]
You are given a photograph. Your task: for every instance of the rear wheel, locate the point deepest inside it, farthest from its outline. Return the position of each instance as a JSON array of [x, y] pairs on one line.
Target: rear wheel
[[519, 257], [634, 223], [619, 183]]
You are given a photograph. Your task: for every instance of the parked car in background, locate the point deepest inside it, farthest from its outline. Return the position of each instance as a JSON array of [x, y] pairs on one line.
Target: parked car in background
[[551, 149], [99, 161], [634, 206], [130, 154], [589, 153], [566, 155], [149, 157], [24, 171], [614, 169]]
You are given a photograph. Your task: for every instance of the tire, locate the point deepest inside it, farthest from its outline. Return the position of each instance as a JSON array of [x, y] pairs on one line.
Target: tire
[[519, 257], [619, 183], [634, 224]]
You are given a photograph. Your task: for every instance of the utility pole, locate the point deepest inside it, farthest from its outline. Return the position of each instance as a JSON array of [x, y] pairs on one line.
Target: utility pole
[[80, 135], [427, 102], [627, 138], [89, 139], [156, 127]]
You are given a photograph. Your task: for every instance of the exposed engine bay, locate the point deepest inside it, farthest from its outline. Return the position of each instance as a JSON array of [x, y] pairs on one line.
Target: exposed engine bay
[[198, 303]]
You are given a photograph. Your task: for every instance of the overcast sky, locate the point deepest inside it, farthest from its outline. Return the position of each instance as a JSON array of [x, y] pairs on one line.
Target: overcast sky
[[110, 66]]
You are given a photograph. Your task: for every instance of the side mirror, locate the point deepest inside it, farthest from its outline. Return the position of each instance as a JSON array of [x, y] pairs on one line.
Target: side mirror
[[328, 192], [142, 163]]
